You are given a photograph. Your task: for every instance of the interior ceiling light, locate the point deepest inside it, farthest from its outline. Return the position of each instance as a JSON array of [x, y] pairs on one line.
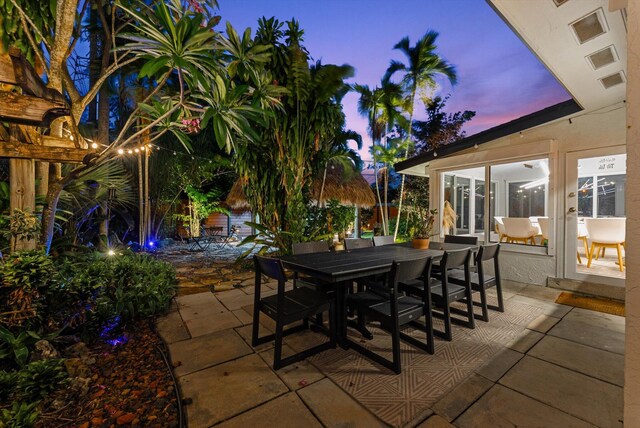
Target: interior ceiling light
[[560, 2], [612, 80], [589, 27], [603, 57]]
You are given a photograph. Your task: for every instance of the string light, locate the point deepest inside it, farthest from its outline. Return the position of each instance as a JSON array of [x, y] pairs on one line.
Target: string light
[[130, 151], [94, 145], [136, 150], [120, 151]]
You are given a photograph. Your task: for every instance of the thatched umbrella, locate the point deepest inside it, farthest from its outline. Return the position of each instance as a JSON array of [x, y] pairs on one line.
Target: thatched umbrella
[[348, 189]]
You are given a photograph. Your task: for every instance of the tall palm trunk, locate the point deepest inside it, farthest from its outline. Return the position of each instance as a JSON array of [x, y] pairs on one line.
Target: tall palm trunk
[[406, 153]]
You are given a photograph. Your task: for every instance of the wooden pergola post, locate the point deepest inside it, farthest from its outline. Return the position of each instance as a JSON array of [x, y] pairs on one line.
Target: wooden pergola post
[[23, 195]]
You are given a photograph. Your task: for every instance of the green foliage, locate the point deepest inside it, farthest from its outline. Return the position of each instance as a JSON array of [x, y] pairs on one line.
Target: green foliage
[[38, 379], [332, 219], [23, 226], [27, 269], [20, 415], [16, 347], [41, 12], [440, 128], [7, 383]]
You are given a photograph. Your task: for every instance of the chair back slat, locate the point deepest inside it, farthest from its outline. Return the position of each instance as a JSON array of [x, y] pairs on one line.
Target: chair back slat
[[408, 270], [383, 240], [488, 252], [270, 267], [355, 243], [454, 259], [310, 247], [457, 239]]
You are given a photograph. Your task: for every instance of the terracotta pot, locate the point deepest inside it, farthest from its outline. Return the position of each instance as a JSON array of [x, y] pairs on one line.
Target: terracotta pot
[[420, 243]]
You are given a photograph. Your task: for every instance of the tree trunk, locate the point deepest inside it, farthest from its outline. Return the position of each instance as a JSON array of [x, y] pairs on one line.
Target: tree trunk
[[103, 243], [406, 153], [140, 203], [65, 19]]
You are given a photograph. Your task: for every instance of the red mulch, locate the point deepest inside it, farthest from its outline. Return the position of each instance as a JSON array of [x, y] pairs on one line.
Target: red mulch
[[130, 386]]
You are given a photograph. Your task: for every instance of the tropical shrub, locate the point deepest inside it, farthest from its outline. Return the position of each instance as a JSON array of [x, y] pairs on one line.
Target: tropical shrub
[[20, 415]]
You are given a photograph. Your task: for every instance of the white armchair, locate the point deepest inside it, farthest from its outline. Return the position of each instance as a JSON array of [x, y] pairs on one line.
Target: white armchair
[[500, 230], [520, 230], [606, 233], [543, 223]]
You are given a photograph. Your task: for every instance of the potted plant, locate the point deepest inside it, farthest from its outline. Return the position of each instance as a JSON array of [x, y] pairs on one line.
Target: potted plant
[[424, 220]]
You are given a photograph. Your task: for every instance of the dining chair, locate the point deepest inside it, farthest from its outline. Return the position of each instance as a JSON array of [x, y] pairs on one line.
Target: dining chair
[[312, 247], [460, 239], [287, 307], [398, 309], [444, 293], [606, 233], [356, 243], [481, 281], [519, 229], [383, 240]]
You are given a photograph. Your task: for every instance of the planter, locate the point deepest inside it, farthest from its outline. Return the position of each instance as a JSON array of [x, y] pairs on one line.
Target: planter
[[420, 243]]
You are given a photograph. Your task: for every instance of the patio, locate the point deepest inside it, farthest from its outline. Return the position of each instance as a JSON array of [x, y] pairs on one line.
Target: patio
[[537, 364]]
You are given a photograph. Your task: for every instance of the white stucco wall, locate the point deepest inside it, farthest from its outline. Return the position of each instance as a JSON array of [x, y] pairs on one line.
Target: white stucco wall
[[632, 299], [586, 131]]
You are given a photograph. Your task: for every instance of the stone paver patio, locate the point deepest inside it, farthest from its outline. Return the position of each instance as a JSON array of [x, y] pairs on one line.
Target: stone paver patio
[[541, 364]]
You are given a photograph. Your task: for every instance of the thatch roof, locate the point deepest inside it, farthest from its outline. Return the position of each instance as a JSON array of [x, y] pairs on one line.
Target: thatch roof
[[350, 189]]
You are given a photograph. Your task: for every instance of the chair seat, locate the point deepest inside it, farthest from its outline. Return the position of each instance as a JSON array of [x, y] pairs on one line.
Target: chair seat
[[457, 276], [364, 299], [297, 303], [456, 292], [409, 309]]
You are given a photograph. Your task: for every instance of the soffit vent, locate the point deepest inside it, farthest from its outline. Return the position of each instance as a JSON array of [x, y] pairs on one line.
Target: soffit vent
[[603, 57], [589, 27], [560, 2], [612, 80]]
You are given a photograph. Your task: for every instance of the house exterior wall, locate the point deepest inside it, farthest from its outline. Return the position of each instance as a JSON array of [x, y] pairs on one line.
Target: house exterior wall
[[557, 140], [632, 300]]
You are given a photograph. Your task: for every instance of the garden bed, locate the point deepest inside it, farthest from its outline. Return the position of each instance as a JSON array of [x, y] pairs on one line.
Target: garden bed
[[130, 384]]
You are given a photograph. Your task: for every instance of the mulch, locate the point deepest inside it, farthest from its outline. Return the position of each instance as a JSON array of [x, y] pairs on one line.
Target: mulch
[[130, 386]]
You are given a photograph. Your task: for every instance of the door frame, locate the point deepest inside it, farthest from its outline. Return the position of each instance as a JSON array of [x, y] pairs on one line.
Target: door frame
[[571, 219]]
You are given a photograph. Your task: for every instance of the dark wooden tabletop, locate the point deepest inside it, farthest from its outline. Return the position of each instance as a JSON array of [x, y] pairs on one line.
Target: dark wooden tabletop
[[346, 265]]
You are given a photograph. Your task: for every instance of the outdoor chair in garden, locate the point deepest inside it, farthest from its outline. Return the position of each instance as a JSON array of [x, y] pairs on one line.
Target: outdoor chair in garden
[[481, 281], [356, 243], [444, 293], [305, 281], [397, 309], [287, 307], [383, 240]]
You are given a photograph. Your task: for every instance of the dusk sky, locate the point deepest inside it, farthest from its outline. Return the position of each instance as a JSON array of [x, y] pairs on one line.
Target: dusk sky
[[498, 77]]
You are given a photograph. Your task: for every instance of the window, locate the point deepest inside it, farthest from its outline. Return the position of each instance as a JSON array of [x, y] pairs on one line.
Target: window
[[465, 191], [601, 186], [521, 192]]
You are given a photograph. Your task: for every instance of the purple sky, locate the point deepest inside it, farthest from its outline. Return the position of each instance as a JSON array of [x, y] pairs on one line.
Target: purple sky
[[498, 76]]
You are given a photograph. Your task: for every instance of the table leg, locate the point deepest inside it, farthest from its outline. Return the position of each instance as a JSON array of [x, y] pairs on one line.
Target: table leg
[[341, 313]]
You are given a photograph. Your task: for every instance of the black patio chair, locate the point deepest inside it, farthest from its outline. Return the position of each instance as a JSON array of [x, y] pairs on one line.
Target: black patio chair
[[383, 240], [443, 293], [480, 281], [458, 239], [305, 281], [286, 307], [398, 309], [356, 243]]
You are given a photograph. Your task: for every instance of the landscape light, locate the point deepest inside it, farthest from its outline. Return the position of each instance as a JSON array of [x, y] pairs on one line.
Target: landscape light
[[111, 253]]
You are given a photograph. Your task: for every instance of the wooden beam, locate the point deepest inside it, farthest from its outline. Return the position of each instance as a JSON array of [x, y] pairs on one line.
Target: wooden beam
[[22, 194], [16, 70], [30, 110], [43, 153]]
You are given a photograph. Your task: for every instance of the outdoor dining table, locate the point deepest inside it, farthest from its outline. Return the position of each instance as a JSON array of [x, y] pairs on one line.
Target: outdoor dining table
[[342, 267]]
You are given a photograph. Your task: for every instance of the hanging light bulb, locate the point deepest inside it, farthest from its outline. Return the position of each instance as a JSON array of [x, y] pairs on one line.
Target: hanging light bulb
[[137, 150], [94, 145], [120, 151], [130, 151]]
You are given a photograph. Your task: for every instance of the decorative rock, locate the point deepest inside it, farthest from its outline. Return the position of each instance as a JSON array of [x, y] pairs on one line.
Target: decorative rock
[[77, 368], [44, 351], [126, 419]]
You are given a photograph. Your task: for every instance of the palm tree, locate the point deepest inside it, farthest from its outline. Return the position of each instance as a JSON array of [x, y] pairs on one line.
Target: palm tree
[[419, 73]]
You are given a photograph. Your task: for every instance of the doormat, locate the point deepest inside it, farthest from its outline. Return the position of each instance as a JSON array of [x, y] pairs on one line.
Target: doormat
[[598, 304]]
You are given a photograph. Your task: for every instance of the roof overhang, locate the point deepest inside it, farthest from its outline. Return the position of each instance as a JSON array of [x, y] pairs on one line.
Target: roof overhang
[[547, 28], [417, 164]]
